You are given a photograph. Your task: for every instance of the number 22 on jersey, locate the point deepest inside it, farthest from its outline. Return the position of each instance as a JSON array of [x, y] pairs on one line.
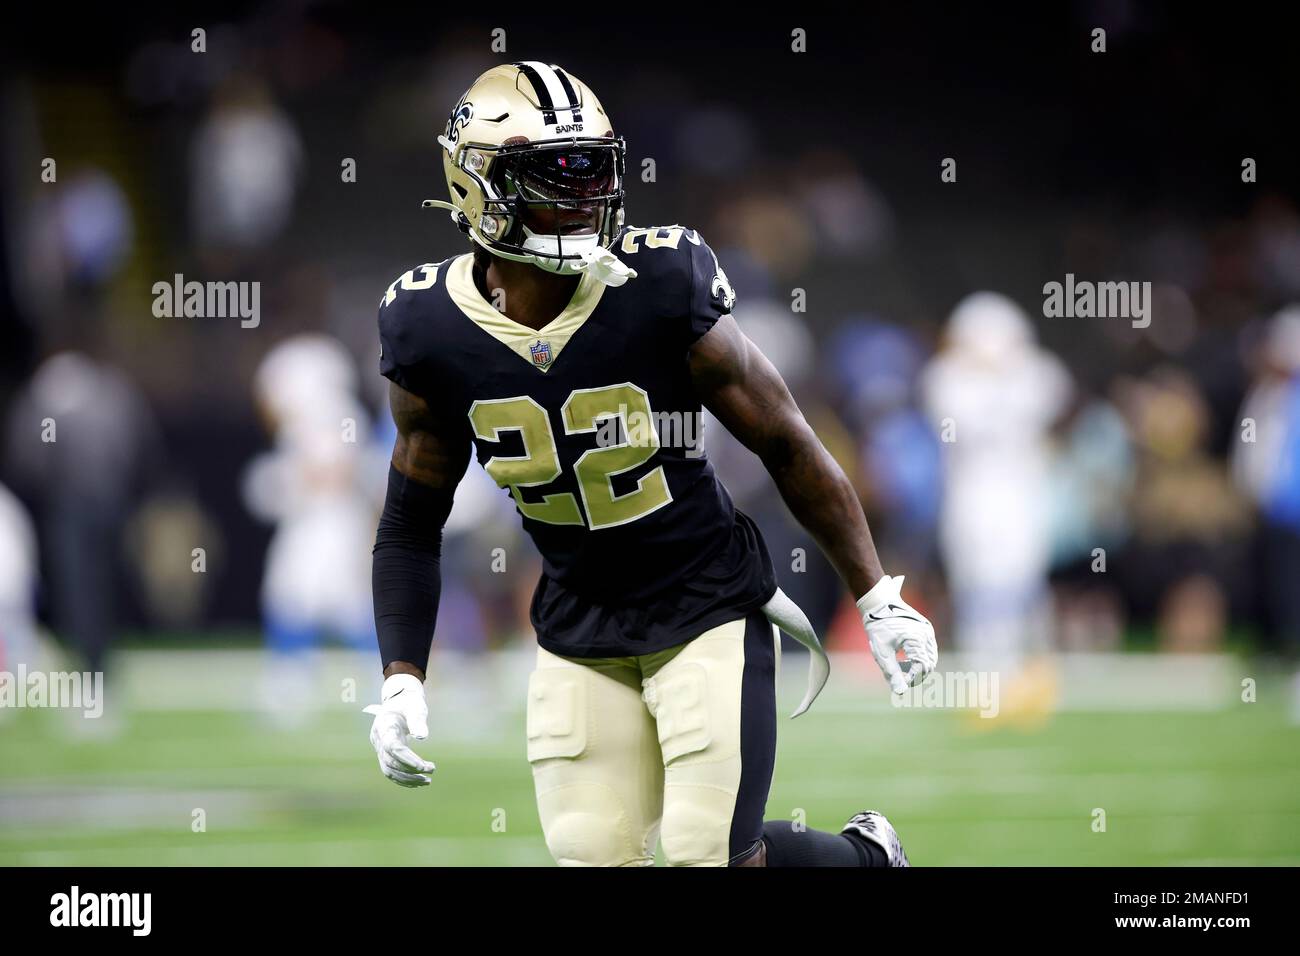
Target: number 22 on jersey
[[595, 468]]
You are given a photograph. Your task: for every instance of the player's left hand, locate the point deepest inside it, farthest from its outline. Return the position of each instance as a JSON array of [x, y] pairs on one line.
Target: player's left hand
[[892, 624]]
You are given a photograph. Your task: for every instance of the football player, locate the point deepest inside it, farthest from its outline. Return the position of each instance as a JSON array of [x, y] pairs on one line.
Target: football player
[[313, 488], [19, 574], [651, 713]]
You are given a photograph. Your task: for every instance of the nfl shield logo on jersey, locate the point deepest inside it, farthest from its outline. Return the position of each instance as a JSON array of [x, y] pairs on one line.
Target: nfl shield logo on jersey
[[541, 353]]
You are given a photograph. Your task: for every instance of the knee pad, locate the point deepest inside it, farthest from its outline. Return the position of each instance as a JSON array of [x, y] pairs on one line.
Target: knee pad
[[696, 825], [586, 824], [701, 767], [584, 819]]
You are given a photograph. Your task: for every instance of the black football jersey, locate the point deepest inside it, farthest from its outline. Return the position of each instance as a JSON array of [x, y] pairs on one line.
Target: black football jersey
[[592, 425]]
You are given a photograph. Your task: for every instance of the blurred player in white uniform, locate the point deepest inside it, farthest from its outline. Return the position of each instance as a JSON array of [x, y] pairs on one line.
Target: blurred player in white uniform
[[993, 393], [317, 487], [18, 576]]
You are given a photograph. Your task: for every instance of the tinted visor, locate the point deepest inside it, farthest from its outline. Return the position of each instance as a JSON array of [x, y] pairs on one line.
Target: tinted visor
[[562, 174]]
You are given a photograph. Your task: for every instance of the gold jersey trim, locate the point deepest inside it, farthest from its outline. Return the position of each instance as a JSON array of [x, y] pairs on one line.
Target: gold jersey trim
[[529, 344]]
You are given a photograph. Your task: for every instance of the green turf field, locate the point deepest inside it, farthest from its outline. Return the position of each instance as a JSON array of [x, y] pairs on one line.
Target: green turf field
[[1208, 787]]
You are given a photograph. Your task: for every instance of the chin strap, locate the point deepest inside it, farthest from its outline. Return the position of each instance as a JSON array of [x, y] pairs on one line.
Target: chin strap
[[603, 266]]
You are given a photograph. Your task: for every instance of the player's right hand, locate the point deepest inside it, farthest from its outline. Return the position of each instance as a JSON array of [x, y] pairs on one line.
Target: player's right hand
[[402, 714], [893, 625]]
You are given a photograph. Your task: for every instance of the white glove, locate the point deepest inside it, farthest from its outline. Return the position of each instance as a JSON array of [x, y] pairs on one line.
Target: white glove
[[402, 714], [892, 623]]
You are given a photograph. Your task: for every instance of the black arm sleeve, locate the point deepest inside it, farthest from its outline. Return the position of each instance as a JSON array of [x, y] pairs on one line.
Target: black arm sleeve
[[404, 575]]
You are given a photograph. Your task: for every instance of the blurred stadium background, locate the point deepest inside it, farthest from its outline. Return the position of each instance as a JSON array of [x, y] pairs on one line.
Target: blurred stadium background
[[1122, 689]]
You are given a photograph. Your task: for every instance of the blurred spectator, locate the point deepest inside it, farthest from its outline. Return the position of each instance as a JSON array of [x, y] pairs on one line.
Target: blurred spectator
[[1266, 465], [853, 219], [1187, 556], [1091, 481], [82, 442], [875, 367], [94, 227], [1276, 243], [161, 537], [246, 160]]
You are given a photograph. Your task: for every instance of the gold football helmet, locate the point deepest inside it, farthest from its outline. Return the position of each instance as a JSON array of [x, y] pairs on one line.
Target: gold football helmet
[[535, 172]]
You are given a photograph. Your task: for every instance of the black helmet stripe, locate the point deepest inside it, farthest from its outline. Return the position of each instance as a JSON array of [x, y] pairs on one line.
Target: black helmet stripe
[[568, 91], [541, 91]]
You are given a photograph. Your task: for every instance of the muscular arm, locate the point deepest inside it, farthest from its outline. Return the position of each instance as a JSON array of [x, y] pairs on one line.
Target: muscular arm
[[431, 448], [429, 459], [739, 385]]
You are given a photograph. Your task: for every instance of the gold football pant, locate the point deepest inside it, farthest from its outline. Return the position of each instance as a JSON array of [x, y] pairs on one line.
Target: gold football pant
[[677, 745]]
